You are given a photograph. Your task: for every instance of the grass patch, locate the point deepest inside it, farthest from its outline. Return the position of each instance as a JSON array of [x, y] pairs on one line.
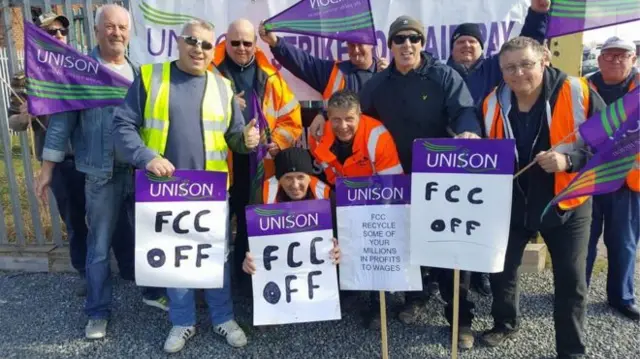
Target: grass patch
[[5, 197]]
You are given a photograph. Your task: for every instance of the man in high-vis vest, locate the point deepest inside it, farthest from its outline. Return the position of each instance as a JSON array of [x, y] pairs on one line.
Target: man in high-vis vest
[[239, 59], [178, 115], [353, 144], [541, 107], [325, 76], [618, 212]]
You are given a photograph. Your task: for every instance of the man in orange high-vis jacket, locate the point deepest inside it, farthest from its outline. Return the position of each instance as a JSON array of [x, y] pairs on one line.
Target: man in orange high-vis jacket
[[251, 74], [541, 107], [617, 212], [353, 144]]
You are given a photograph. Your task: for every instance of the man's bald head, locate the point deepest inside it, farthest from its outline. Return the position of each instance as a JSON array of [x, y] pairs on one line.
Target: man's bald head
[[241, 41]]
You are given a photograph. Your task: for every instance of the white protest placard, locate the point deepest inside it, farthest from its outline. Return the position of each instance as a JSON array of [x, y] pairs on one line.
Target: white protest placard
[[181, 229], [295, 279], [373, 230], [461, 203]]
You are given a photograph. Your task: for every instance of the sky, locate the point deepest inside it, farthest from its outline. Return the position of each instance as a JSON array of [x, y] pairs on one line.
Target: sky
[[629, 31]]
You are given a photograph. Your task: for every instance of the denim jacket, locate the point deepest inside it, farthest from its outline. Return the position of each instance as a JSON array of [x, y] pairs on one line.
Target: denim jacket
[[91, 134]]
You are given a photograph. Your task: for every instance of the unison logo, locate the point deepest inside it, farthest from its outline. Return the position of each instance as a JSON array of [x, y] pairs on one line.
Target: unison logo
[[449, 156], [278, 219], [179, 187]]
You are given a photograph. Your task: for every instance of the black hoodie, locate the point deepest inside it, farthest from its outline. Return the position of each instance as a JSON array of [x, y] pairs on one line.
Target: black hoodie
[[529, 201], [420, 104]]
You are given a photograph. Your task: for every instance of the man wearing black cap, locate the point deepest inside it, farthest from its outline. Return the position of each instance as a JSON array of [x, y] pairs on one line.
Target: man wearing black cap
[[482, 75], [418, 97]]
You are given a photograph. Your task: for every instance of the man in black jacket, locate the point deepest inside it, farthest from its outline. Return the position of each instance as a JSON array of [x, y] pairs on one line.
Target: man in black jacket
[[543, 107], [418, 97]]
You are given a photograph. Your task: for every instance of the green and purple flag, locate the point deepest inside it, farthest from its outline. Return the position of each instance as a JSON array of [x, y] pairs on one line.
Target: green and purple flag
[[60, 79], [614, 134], [344, 20], [572, 16]]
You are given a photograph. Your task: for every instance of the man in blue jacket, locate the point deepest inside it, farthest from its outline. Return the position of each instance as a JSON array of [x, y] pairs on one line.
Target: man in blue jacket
[[418, 97], [108, 183], [482, 75]]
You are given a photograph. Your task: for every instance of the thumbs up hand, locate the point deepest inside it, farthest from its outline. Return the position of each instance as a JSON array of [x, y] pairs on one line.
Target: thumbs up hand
[[251, 135], [241, 100]]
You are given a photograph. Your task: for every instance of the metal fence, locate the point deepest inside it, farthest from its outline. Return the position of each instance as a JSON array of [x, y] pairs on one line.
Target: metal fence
[[25, 222]]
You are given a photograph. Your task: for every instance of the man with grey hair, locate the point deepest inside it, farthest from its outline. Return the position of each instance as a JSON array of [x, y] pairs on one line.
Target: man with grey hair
[[540, 107], [108, 182], [202, 123]]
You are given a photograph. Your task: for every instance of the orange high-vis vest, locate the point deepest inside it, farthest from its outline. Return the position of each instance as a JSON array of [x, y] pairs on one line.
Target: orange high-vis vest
[[319, 190], [633, 178], [570, 111], [280, 107], [336, 82], [374, 152]]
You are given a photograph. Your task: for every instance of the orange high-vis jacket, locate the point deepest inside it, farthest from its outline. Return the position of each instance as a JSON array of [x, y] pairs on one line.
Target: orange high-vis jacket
[[280, 107], [336, 82], [633, 178], [319, 190], [374, 152], [570, 111]]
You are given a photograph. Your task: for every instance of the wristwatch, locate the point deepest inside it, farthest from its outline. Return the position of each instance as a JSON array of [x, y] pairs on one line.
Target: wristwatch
[[569, 163]]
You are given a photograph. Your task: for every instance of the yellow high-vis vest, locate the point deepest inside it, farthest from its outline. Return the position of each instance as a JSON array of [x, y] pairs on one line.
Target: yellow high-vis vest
[[216, 114]]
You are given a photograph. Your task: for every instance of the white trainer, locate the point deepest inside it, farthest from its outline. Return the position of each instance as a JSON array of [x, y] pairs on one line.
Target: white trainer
[[232, 332], [177, 338], [96, 329]]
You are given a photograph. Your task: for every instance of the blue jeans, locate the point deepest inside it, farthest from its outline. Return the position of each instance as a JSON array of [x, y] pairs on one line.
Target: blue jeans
[[67, 185], [619, 213], [109, 206], [182, 306]]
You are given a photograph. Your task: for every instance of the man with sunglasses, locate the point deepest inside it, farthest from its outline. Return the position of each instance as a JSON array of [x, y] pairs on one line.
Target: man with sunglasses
[[65, 179], [325, 76], [418, 97], [618, 212], [108, 181], [178, 115], [254, 79]]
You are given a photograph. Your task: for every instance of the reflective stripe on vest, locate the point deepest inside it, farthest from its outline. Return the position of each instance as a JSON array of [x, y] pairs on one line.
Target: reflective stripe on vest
[[570, 112], [335, 84], [633, 178], [271, 186], [216, 114]]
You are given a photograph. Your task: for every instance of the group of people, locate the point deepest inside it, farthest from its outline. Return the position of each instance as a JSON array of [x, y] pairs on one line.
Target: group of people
[[199, 113]]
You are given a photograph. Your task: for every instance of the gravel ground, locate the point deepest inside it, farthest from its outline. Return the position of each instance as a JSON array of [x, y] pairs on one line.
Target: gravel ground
[[41, 318]]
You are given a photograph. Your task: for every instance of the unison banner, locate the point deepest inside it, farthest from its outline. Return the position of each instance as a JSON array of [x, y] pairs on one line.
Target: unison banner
[[157, 24], [181, 229]]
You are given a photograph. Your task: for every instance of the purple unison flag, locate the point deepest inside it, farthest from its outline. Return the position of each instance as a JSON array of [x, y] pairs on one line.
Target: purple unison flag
[[572, 16], [617, 119], [288, 217], [345, 20], [606, 171], [182, 186], [60, 79], [374, 190]]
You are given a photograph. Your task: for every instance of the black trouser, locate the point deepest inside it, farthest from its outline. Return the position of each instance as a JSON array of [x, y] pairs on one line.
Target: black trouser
[[465, 312], [568, 245]]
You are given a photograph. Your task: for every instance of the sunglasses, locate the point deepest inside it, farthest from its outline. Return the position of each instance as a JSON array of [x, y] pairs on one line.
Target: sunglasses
[[194, 41], [53, 32], [400, 39], [236, 43]]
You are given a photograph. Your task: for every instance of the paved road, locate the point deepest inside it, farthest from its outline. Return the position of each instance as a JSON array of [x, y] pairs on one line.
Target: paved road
[[40, 318]]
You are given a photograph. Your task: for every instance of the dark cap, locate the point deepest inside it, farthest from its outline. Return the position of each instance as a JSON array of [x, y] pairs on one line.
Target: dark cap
[[467, 29], [45, 20], [293, 159], [402, 23]]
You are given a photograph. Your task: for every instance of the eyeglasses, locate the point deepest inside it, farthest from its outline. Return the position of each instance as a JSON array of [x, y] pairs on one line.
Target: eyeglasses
[[525, 65], [53, 32], [194, 41], [620, 57], [400, 39], [236, 43]]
